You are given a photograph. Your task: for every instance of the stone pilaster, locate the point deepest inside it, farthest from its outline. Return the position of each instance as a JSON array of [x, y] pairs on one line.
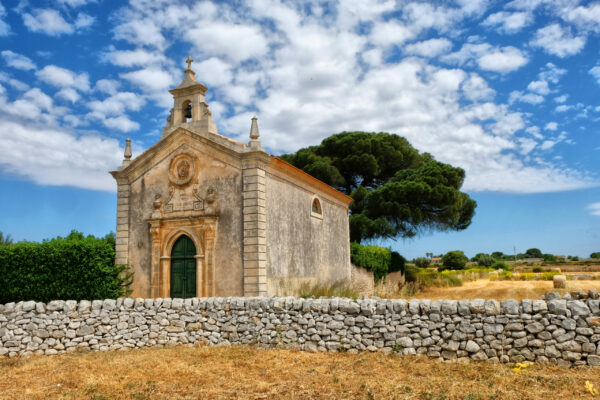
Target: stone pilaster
[[122, 234], [255, 224]]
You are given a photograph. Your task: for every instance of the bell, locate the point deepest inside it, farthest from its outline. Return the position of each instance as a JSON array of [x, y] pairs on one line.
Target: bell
[[188, 111]]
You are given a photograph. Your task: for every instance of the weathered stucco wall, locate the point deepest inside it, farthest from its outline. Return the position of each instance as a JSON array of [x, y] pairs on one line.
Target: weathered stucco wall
[[558, 331], [215, 170], [362, 281], [303, 249]]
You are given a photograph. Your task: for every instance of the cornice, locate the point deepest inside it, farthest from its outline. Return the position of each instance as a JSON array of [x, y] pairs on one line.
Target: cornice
[[281, 168]]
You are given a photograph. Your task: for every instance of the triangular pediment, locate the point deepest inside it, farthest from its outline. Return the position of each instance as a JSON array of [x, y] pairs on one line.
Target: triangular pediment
[[181, 140]]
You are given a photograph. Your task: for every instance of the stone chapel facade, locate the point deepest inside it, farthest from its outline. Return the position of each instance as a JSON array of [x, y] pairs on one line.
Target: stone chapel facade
[[199, 214]]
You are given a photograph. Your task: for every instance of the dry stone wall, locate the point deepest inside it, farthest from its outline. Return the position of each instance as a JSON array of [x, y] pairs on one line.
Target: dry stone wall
[[565, 332]]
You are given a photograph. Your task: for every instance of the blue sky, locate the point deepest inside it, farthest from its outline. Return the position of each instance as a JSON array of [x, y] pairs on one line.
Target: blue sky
[[506, 90]]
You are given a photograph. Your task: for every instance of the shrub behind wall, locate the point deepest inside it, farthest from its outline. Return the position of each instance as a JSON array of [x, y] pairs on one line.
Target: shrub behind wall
[[379, 260], [71, 268]]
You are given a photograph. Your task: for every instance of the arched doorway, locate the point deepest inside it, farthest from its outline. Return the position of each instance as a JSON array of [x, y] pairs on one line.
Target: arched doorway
[[183, 268]]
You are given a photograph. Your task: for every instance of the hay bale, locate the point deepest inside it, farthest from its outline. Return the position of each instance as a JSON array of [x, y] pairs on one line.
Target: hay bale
[[560, 281]]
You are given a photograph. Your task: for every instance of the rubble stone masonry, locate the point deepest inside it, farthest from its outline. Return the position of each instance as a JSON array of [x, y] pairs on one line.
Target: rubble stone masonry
[[564, 332]]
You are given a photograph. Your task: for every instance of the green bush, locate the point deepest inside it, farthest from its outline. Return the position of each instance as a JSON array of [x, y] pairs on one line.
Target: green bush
[[454, 260], [379, 260], [595, 254], [485, 260], [71, 268], [533, 253], [549, 257], [500, 265], [422, 262], [537, 269]]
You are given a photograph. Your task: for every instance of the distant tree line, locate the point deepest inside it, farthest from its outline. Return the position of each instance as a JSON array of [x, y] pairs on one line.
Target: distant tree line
[[457, 259]]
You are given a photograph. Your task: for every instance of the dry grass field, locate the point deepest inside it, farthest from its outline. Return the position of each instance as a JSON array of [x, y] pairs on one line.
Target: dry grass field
[[502, 290], [250, 373]]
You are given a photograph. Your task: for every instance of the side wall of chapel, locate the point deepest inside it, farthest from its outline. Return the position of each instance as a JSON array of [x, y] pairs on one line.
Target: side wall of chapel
[[303, 247]]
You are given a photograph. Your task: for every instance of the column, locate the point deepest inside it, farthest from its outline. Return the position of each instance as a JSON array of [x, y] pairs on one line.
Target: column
[[255, 249], [122, 234]]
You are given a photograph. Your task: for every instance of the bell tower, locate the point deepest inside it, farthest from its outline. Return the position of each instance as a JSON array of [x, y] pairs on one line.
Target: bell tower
[[189, 105]]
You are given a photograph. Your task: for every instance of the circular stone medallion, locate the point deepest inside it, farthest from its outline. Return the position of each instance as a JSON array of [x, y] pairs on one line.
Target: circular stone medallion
[[182, 169]]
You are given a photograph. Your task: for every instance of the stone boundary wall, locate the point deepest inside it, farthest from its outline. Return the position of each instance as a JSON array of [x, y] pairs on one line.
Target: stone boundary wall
[[565, 332]]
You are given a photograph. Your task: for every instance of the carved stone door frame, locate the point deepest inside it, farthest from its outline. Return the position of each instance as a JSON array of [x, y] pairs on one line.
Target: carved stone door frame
[[165, 231]]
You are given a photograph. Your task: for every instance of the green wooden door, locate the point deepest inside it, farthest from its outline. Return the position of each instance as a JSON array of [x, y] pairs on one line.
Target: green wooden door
[[183, 268]]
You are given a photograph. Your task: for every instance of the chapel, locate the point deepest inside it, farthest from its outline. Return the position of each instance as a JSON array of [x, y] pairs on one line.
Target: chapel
[[200, 214]]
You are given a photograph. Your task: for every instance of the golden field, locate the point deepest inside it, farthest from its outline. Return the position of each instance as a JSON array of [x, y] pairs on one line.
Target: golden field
[[250, 373], [503, 290]]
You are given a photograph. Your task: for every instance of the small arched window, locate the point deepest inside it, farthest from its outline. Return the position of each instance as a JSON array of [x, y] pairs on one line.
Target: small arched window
[[316, 209]]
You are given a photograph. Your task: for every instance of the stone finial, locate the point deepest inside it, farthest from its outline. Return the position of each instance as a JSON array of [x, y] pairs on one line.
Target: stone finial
[[127, 155], [189, 62], [254, 135]]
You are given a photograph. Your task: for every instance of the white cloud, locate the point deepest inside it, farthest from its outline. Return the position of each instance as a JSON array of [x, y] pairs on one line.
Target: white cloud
[[530, 98], [117, 104], [488, 57], [62, 77], [392, 33], [526, 5], [17, 61], [38, 98], [595, 72], [47, 21], [373, 57], [429, 48], [421, 16], [594, 208], [120, 123], [586, 18], [535, 132], [76, 3], [508, 22], [475, 88], [109, 86], [552, 73], [4, 27], [84, 21], [54, 156], [150, 79], [17, 84], [68, 94], [215, 71], [111, 111], [141, 32], [505, 59], [561, 98], [559, 41], [527, 145], [132, 58], [539, 87], [232, 41], [551, 126]]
